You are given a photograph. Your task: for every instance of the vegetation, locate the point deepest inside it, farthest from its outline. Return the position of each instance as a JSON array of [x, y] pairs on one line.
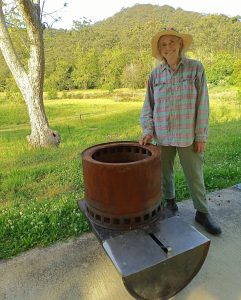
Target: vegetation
[[94, 89], [116, 52], [39, 187]]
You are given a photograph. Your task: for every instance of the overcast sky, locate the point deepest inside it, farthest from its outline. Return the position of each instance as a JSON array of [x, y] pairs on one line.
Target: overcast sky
[[97, 10]]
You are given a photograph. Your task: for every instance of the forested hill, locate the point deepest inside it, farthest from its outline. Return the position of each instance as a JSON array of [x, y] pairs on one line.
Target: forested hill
[[116, 52]]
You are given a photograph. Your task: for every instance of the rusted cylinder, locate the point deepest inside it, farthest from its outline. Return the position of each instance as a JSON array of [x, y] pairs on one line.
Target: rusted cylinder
[[122, 183]]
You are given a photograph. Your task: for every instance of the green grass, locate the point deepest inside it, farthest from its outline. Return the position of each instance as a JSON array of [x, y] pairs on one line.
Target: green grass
[[39, 187]]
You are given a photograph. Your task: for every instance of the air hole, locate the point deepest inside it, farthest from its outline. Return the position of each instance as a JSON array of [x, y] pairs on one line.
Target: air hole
[[106, 220], [153, 213], [137, 219], [116, 221], [146, 217], [98, 217], [127, 221]]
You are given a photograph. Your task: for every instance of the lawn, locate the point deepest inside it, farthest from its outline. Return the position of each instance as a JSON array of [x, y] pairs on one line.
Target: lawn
[[39, 187]]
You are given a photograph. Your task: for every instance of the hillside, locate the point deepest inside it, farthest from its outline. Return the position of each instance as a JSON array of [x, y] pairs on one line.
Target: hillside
[[106, 54]]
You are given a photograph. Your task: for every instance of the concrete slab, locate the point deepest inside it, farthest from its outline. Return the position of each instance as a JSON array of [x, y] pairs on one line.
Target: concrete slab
[[79, 268]]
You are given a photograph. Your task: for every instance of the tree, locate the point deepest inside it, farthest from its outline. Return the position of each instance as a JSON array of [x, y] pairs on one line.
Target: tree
[[220, 68], [111, 64], [61, 77], [86, 74], [131, 76], [235, 78], [29, 79]]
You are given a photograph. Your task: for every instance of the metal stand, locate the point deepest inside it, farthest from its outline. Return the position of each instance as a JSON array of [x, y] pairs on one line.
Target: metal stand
[[155, 261]]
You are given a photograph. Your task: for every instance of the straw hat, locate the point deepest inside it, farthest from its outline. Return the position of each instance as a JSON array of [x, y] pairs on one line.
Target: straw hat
[[187, 40]]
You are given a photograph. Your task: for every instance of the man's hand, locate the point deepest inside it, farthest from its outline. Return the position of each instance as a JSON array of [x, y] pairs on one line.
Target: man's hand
[[146, 139], [199, 146]]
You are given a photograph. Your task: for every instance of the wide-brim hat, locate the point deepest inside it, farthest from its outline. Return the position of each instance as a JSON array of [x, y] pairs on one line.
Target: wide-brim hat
[[186, 38]]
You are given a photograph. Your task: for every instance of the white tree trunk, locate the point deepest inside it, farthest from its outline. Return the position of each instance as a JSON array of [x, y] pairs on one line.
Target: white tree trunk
[[41, 135], [30, 83]]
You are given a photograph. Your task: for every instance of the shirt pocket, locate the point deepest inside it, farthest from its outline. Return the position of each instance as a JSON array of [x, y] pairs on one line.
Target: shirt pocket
[[186, 87], [188, 81], [160, 90]]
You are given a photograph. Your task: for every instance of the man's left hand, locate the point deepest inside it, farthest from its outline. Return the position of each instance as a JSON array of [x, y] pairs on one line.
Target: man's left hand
[[199, 146]]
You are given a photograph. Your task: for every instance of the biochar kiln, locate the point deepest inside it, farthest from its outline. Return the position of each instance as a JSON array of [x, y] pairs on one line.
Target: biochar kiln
[[155, 252]]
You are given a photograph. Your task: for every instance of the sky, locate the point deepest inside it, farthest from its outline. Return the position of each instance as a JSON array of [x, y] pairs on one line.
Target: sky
[[97, 10]]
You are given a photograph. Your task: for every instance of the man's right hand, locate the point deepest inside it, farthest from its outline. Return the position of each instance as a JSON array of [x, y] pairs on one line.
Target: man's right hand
[[146, 139]]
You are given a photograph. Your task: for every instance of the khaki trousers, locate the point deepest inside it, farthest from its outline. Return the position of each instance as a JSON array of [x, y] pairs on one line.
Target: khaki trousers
[[192, 165]]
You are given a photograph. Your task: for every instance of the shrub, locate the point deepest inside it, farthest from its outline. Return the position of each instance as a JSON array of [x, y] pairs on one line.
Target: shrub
[[52, 94]]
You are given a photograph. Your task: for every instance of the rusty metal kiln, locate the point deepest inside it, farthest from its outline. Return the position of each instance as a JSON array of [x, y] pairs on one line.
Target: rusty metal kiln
[[155, 252]]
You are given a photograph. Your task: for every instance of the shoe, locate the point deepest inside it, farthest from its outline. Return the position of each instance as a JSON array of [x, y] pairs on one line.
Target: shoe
[[171, 204], [206, 221]]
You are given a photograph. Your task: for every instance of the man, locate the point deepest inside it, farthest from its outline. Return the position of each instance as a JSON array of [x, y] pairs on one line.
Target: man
[[175, 114]]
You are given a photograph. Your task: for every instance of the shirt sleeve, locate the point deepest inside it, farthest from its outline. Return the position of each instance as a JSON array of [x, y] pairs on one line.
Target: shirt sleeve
[[202, 106], [146, 118]]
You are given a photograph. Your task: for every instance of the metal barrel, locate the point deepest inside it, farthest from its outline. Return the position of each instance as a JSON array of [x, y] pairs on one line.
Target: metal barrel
[[122, 182]]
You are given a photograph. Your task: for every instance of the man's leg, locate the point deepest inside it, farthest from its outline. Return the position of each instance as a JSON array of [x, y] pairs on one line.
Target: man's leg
[[168, 154], [192, 164]]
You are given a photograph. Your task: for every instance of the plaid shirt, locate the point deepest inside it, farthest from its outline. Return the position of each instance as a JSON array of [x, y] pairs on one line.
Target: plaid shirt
[[176, 106]]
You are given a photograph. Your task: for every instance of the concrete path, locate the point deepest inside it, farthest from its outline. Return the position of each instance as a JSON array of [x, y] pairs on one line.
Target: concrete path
[[79, 268]]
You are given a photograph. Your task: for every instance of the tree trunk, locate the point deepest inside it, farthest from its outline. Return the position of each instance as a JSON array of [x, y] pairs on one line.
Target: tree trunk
[[30, 83], [41, 135]]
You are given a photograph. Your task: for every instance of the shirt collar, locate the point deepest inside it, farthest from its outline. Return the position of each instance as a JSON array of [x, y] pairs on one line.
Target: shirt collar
[[183, 61]]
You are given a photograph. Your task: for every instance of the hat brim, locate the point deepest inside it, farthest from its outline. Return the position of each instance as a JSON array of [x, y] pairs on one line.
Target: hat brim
[[186, 38]]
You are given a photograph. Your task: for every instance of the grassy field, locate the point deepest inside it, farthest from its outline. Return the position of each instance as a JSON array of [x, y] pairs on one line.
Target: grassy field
[[39, 188]]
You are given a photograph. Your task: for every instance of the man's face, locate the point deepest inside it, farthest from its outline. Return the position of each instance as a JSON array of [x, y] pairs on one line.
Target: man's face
[[170, 46]]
